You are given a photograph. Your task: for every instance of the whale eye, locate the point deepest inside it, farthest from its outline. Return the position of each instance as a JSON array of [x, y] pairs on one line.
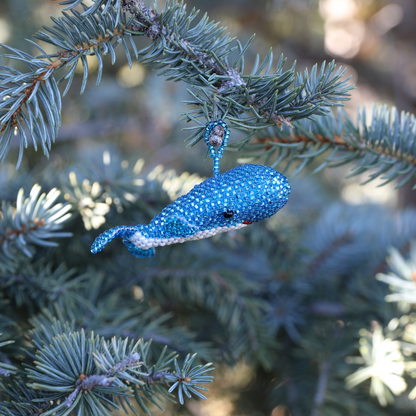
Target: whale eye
[[228, 214]]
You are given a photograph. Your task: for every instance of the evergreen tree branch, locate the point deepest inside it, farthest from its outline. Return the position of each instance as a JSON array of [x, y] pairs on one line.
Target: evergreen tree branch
[[6, 369], [196, 55], [33, 99], [382, 362], [187, 379], [8, 325], [235, 308], [401, 278], [385, 147], [38, 285], [33, 221], [72, 364], [112, 311], [23, 399]]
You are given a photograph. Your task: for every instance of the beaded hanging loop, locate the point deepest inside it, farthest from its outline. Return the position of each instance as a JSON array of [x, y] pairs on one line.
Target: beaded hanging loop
[[216, 137]]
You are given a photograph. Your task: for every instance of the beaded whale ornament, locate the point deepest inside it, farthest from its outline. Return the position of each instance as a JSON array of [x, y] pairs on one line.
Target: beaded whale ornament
[[224, 202]]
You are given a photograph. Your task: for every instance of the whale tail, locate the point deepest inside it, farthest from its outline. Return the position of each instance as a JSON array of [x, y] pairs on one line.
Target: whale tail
[[118, 232], [123, 232]]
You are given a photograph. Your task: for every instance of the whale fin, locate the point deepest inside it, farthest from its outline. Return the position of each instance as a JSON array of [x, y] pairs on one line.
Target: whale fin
[[179, 227], [118, 232], [138, 252]]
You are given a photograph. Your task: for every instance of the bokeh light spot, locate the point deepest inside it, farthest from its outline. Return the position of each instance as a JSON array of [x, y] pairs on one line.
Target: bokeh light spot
[[387, 18], [4, 31], [337, 9], [129, 78], [344, 38]]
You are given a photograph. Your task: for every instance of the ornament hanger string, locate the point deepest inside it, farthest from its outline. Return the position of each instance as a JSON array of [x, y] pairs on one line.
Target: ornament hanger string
[[216, 137]]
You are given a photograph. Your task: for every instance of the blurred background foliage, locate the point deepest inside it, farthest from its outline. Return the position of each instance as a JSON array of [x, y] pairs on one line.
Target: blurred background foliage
[[312, 268]]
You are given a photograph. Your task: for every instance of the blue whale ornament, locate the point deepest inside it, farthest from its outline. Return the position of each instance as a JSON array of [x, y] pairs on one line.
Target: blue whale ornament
[[232, 200]]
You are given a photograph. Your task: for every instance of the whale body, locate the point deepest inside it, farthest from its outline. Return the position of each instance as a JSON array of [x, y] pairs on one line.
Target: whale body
[[232, 200]]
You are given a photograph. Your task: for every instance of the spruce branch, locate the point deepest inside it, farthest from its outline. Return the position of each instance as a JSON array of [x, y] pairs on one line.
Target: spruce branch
[[88, 201], [86, 373], [187, 379], [7, 264], [6, 369], [402, 278], [32, 101], [285, 311], [197, 55], [382, 362], [85, 384], [8, 324], [236, 309], [77, 369], [23, 400], [157, 376], [103, 5], [33, 221], [114, 181], [109, 310], [38, 285], [383, 144]]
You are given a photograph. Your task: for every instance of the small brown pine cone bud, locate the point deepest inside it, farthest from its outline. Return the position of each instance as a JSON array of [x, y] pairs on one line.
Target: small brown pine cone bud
[[218, 131], [215, 140]]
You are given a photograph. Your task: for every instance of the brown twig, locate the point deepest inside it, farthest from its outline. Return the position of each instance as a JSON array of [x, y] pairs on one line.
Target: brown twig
[[150, 25], [58, 63], [28, 92], [36, 224], [149, 20], [336, 140]]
